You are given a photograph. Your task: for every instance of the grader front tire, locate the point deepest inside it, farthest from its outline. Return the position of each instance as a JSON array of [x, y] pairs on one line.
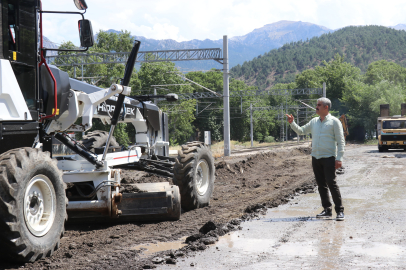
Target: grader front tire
[[195, 175], [32, 205]]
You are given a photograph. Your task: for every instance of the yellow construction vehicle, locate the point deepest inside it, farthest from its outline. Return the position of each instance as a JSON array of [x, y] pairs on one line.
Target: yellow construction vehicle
[[391, 130], [343, 121]]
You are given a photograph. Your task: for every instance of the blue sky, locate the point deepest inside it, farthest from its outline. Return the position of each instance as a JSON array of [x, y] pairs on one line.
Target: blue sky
[[187, 19]]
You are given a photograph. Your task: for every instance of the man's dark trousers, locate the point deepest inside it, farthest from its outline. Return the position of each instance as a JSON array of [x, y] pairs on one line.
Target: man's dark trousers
[[325, 173]]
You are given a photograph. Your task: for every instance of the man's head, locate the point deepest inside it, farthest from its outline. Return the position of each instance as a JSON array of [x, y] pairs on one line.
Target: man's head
[[323, 106]]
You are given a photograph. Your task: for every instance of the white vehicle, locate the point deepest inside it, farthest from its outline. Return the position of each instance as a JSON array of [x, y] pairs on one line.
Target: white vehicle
[[40, 102]]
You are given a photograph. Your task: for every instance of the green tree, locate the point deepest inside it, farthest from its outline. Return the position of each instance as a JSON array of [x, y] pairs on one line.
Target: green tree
[[209, 114], [387, 93], [383, 70], [181, 114], [180, 122], [335, 74], [103, 75]]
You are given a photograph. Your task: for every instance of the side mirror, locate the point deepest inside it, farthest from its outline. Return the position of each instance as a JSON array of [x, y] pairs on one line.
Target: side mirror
[[85, 33], [171, 97], [80, 4]]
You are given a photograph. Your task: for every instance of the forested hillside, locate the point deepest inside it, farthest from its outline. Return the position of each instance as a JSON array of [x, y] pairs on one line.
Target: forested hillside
[[359, 45]]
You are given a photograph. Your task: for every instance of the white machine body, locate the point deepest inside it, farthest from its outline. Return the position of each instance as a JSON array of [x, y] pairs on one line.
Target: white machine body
[[12, 102]]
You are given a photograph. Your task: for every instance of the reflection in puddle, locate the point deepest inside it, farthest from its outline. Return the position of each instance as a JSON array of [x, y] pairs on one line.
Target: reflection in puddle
[[291, 219], [377, 250], [245, 244], [148, 249], [297, 249]]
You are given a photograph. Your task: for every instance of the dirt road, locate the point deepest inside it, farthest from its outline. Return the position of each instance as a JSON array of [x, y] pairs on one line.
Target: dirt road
[[265, 179], [373, 234]]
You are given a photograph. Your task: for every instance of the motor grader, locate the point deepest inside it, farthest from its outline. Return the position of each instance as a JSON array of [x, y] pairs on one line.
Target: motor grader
[[40, 103]]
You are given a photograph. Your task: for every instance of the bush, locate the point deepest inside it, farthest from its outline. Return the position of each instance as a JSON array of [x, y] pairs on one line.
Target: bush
[[269, 139], [258, 137]]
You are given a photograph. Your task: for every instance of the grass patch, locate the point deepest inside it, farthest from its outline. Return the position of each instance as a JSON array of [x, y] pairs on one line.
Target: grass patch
[[371, 142]]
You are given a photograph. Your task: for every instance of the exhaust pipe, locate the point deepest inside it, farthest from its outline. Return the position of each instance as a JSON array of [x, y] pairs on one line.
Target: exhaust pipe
[[384, 110], [403, 109]]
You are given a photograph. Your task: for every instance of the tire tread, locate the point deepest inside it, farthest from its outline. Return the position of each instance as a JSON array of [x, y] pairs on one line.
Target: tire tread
[[184, 173], [97, 138], [13, 163]]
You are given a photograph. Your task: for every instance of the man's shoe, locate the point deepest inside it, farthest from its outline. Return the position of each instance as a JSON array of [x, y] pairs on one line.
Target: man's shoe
[[325, 213], [340, 216]]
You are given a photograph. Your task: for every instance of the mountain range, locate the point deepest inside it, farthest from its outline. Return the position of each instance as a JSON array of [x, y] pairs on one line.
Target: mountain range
[[241, 48]]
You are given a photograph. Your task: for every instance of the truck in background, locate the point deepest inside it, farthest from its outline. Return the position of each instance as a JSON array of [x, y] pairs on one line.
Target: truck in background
[[343, 120], [391, 130]]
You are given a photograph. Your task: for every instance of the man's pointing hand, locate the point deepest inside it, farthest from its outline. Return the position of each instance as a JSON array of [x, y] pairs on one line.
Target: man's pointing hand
[[290, 118]]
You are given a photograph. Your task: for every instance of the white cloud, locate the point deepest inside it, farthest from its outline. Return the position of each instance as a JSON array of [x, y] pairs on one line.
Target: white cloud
[[186, 20]]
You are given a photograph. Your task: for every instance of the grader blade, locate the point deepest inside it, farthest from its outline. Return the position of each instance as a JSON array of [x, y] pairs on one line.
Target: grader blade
[[149, 201]]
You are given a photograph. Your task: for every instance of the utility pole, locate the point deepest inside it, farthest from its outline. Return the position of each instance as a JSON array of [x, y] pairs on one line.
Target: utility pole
[[251, 128], [306, 120], [241, 103], [155, 100], [226, 98], [324, 89], [282, 125], [297, 115], [286, 109]]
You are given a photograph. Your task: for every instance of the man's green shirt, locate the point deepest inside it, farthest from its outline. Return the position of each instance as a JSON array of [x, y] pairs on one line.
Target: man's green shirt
[[327, 136]]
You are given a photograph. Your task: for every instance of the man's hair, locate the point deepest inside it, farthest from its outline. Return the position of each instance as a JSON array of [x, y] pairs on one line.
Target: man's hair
[[326, 102]]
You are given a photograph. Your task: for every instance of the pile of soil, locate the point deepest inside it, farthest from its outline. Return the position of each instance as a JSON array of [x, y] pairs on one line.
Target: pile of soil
[[244, 188]]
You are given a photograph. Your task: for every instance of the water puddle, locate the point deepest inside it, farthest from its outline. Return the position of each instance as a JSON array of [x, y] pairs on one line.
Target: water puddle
[[149, 249], [290, 237], [297, 249], [381, 250], [245, 244]]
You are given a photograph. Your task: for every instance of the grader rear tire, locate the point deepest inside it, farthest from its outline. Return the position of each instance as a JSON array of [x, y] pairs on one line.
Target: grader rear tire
[[32, 205], [96, 139], [194, 174]]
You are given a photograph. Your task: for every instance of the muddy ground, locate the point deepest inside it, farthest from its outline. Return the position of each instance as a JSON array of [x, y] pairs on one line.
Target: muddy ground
[[243, 186], [289, 236]]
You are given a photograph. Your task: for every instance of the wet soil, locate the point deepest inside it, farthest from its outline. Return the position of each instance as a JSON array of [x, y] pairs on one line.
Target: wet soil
[[289, 236], [244, 188]]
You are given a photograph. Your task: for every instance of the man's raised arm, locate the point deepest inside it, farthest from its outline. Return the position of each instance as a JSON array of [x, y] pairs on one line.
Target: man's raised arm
[[306, 129]]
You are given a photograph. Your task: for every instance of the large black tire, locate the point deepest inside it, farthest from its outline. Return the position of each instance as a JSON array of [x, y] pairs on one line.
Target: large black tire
[[382, 148], [194, 173], [32, 205], [96, 139]]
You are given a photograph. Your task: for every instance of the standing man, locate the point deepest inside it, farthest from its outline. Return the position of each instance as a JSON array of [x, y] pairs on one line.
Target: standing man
[[327, 138]]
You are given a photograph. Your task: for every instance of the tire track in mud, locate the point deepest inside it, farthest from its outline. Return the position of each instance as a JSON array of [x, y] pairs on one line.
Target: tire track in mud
[[285, 237]]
